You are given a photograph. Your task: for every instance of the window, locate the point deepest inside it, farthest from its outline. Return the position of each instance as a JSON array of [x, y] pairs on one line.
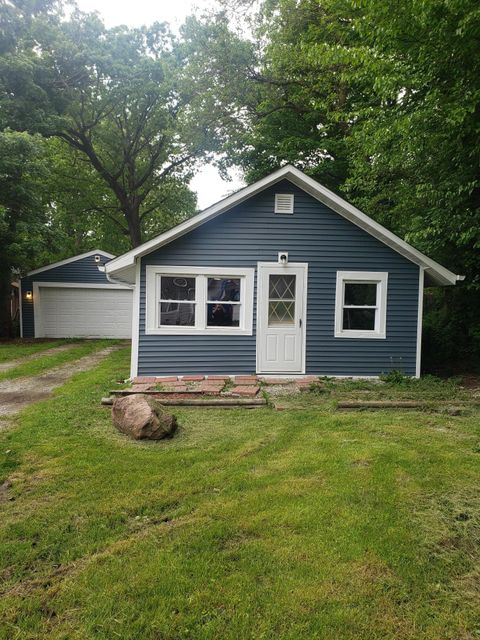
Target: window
[[187, 300], [361, 304], [177, 301], [284, 202], [281, 300], [223, 302]]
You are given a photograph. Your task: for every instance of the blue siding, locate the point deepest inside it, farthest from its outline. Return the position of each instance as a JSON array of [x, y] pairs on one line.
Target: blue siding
[[83, 270], [251, 233]]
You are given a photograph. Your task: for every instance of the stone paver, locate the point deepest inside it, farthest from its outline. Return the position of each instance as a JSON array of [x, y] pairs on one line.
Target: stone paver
[[244, 390], [243, 385]]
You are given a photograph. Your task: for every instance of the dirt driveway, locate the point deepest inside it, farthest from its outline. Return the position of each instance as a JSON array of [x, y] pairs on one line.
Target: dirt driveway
[[11, 364], [20, 392]]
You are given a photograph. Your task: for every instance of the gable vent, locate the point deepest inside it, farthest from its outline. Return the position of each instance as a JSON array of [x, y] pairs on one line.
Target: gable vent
[[284, 203]]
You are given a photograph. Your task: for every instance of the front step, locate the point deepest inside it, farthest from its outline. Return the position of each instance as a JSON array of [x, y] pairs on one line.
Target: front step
[[220, 403]]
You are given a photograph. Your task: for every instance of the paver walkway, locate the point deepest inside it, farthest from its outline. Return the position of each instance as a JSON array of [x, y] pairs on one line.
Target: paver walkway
[[224, 386], [18, 393]]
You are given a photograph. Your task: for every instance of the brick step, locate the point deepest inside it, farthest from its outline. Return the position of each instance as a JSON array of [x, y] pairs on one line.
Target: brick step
[[164, 393], [219, 403]]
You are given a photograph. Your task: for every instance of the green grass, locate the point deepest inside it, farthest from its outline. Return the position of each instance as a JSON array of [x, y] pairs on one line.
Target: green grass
[[17, 349], [47, 361], [289, 525]]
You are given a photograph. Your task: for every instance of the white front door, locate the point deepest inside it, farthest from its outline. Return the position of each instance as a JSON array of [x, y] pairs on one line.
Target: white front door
[[281, 305]]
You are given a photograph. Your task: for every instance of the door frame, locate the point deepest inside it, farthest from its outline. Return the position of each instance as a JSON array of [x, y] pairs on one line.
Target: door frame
[[260, 292]]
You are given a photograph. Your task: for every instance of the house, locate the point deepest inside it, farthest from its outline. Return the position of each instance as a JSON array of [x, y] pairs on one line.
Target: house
[[74, 299], [282, 277]]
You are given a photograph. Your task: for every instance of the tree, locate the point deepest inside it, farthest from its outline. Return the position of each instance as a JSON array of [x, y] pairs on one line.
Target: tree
[[125, 101], [23, 232], [289, 86], [415, 156], [86, 214]]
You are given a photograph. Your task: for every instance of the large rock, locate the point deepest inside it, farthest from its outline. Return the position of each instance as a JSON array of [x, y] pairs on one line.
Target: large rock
[[141, 417]]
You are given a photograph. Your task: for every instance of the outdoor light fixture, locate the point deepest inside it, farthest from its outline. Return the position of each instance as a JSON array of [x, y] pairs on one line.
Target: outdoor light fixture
[[97, 258], [283, 257], [28, 295]]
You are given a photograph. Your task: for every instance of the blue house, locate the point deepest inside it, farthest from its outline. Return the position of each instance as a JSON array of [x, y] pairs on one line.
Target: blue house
[[74, 299], [284, 277]]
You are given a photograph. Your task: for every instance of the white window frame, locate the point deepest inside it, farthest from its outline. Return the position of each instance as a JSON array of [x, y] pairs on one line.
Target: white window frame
[[380, 278], [201, 275]]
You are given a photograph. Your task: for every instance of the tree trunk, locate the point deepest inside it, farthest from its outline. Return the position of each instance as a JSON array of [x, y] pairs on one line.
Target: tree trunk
[[131, 211], [6, 326]]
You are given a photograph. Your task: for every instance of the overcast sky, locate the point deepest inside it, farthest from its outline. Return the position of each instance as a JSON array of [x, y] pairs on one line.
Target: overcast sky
[[207, 183]]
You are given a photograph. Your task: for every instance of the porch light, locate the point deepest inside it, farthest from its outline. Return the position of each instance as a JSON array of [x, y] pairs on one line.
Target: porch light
[[283, 257], [28, 295]]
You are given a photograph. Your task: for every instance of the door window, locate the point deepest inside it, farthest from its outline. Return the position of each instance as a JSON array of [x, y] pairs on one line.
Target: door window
[[281, 300]]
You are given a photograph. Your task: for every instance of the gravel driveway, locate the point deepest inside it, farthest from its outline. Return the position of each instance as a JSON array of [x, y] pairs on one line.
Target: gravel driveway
[[16, 394]]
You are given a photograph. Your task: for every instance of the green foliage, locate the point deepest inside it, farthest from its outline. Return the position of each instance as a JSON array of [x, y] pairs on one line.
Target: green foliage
[[23, 232], [395, 377]]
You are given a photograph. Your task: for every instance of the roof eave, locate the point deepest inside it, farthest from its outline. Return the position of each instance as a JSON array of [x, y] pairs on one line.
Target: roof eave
[[437, 273], [60, 263]]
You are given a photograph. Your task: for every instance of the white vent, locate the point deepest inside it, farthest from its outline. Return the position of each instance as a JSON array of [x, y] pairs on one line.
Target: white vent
[[284, 203]]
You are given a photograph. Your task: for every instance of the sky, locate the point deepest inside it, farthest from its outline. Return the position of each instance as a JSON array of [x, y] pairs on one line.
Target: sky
[[208, 184]]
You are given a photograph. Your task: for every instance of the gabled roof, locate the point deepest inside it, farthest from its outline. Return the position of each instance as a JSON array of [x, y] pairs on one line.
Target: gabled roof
[[73, 259], [437, 274]]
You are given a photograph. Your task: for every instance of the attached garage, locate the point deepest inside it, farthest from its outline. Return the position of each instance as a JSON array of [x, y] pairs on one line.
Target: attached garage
[[74, 299]]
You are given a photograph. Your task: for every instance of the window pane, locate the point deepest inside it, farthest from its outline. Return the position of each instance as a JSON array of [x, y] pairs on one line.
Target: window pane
[[360, 293], [177, 314], [177, 288], [281, 313], [223, 315], [282, 287], [224, 289], [359, 319]]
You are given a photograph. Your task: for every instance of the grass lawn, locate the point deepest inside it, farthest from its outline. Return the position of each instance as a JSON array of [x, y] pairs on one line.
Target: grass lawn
[[46, 361], [299, 524], [12, 350]]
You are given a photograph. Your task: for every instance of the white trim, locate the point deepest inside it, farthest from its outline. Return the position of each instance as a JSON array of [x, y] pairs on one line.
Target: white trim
[[246, 300], [421, 279], [37, 285], [81, 285], [20, 307], [260, 293], [68, 260], [380, 278], [135, 323], [440, 275]]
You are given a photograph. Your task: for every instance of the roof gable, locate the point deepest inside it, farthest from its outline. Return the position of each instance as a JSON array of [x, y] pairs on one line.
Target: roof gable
[[61, 263], [437, 273]]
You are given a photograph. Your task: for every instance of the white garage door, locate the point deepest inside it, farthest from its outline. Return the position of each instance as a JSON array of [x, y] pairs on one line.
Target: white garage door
[[83, 313]]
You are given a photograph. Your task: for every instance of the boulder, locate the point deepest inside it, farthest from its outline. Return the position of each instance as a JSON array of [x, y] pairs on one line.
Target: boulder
[[142, 417]]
